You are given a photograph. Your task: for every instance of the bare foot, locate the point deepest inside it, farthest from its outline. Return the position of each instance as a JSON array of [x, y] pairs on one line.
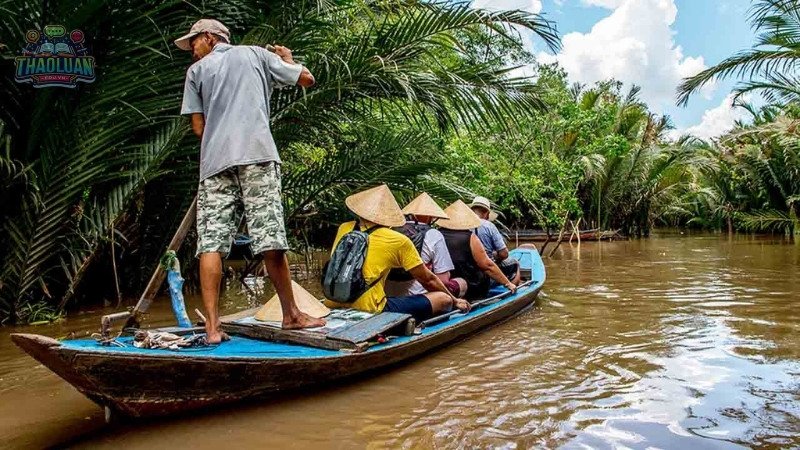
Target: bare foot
[[301, 320], [215, 337]]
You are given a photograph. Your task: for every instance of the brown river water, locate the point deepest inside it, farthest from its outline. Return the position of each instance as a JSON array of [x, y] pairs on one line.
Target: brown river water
[[670, 342]]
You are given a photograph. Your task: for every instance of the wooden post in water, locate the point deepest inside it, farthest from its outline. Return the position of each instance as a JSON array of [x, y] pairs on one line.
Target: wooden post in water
[[560, 236]]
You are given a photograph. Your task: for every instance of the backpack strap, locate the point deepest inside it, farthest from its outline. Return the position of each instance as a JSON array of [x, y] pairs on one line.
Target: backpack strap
[[369, 286], [369, 231], [372, 228]]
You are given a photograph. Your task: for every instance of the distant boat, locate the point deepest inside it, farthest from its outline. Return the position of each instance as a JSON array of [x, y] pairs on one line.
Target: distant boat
[[541, 235], [261, 359]]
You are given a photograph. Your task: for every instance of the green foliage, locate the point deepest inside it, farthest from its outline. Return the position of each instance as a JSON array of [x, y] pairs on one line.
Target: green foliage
[[39, 313], [594, 154], [112, 162], [750, 178]]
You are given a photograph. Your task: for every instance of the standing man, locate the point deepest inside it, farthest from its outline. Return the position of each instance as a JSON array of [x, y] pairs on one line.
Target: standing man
[[227, 94], [492, 240]]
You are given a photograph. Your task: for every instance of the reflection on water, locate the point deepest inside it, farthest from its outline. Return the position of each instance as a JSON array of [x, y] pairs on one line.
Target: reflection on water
[[671, 342]]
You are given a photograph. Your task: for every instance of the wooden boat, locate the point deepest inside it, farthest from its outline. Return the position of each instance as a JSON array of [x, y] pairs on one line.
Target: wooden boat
[[541, 235], [258, 359]]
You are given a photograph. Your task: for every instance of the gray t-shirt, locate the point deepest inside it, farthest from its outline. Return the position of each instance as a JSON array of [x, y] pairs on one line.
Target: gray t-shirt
[[231, 86]]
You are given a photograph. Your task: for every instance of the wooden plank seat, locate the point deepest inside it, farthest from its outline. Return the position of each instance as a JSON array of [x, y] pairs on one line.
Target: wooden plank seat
[[367, 329], [347, 330]]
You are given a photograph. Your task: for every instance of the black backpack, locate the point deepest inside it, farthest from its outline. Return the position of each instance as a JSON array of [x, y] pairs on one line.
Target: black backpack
[[416, 232], [343, 276]]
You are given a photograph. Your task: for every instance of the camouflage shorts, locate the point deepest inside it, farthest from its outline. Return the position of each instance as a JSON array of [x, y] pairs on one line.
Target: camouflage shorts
[[254, 190]]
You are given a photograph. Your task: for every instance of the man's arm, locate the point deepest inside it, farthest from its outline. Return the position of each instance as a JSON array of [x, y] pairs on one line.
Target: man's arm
[[501, 255], [428, 279], [501, 252], [306, 79], [487, 265], [432, 283], [444, 277], [198, 124]]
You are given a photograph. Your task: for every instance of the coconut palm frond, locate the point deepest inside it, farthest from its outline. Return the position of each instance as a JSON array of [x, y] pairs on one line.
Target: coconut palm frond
[[768, 220], [775, 52], [775, 88], [87, 156]]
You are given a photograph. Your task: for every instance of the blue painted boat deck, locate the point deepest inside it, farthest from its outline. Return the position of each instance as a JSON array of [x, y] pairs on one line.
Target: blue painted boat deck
[[246, 348]]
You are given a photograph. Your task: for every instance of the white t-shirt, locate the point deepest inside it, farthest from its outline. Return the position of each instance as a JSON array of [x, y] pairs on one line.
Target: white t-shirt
[[434, 255]]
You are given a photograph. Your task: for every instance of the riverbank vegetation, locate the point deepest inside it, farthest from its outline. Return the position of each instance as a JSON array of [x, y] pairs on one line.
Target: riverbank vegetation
[[421, 95]]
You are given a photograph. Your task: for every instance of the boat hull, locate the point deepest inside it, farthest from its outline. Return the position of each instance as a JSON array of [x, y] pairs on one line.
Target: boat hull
[[138, 382], [139, 385]]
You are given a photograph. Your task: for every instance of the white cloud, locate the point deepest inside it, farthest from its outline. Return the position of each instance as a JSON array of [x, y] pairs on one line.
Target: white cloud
[[610, 4], [715, 121], [635, 45], [531, 6]]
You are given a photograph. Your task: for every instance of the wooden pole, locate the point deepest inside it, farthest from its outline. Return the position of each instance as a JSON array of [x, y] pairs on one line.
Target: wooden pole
[[114, 267], [445, 316], [160, 274], [156, 279]]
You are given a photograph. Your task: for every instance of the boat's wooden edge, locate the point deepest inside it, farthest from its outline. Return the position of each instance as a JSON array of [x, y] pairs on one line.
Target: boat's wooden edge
[[33, 342], [50, 353]]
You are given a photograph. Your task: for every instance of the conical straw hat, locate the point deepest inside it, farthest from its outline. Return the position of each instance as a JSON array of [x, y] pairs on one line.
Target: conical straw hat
[[376, 205], [272, 312], [424, 205], [461, 217]]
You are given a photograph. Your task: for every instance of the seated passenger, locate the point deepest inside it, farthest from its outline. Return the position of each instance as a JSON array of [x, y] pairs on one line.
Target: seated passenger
[[421, 213], [469, 257], [377, 211], [492, 240]]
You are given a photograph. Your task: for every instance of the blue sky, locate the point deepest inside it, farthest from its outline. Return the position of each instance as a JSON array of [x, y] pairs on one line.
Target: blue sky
[[653, 43]]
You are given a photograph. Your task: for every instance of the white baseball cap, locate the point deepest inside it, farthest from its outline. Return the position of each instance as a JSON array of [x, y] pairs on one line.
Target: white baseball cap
[[203, 26], [483, 202]]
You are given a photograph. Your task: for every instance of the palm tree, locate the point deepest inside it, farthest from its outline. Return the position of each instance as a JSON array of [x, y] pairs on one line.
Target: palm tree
[[770, 66], [90, 153], [768, 154], [634, 177]]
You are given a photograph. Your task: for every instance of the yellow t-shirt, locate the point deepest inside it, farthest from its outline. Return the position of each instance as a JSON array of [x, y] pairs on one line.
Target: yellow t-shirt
[[387, 250]]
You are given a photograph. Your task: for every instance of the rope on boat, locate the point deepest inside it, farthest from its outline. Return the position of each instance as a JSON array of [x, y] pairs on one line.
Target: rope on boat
[[167, 341], [108, 341]]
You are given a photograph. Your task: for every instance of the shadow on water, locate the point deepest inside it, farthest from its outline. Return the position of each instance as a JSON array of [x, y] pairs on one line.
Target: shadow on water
[[671, 342]]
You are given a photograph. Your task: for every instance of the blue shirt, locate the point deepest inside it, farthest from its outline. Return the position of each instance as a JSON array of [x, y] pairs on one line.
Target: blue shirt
[[490, 237], [232, 86]]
